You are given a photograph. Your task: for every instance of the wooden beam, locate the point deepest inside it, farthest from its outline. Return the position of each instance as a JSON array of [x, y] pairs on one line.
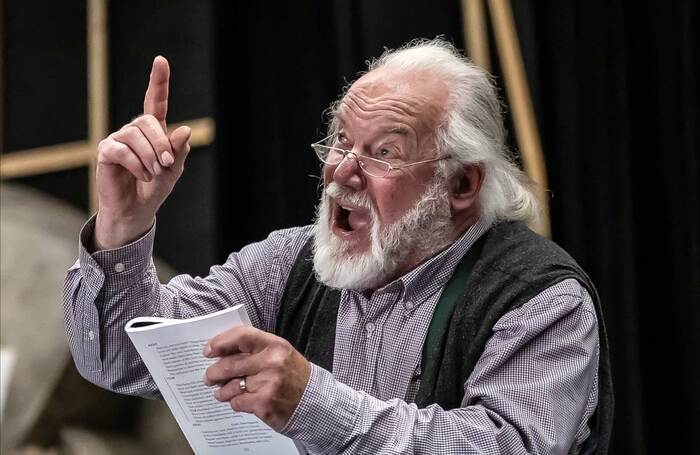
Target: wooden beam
[[203, 131], [42, 160], [98, 85], [476, 33], [70, 155], [521, 103], [2, 78]]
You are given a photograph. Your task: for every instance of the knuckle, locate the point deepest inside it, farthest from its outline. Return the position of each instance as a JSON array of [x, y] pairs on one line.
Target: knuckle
[[103, 145], [119, 150], [241, 403], [129, 127], [162, 144], [283, 344], [112, 149], [275, 383], [141, 119], [224, 394], [278, 359], [128, 131], [149, 121]]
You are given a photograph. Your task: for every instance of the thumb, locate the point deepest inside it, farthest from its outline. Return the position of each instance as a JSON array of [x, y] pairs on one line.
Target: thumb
[[180, 141]]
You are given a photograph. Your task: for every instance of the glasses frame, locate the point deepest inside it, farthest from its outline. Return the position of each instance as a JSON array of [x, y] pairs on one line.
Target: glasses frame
[[360, 158]]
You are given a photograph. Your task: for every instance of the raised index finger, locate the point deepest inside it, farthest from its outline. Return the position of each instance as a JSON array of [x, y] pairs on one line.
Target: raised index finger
[[156, 100]]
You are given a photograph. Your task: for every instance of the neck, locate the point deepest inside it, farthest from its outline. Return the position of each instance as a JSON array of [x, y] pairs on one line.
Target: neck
[[417, 258]]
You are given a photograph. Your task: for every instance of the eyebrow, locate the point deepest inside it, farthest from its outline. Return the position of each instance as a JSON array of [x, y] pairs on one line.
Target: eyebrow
[[397, 129], [402, 130]]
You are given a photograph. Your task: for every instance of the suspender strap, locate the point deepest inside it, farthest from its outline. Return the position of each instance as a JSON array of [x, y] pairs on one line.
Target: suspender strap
[[454, 289]]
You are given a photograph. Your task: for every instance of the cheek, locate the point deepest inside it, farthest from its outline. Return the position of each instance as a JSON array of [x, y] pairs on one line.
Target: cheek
[[394, 198], [392, 201]]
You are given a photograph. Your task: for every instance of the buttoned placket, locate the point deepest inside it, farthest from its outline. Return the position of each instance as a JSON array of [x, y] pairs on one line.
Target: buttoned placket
[[377, 311]]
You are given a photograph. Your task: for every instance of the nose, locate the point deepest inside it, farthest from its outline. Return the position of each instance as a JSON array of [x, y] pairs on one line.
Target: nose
[[348, 172]]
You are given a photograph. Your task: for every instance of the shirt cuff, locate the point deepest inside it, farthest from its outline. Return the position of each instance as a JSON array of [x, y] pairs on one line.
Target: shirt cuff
[[119, 267], [326, 413]]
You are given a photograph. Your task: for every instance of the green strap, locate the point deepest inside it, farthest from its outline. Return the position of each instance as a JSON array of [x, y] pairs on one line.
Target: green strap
[[454, 288]]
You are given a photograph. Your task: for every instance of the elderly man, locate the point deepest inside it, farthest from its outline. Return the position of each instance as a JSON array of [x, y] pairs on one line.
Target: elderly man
[[417, 315]]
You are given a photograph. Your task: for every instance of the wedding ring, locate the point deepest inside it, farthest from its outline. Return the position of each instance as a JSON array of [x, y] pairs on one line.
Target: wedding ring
[[242, 385]]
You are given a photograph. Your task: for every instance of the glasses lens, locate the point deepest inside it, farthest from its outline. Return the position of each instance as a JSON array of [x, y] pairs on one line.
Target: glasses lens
[[334, 155], [328, 155], [374, 167]]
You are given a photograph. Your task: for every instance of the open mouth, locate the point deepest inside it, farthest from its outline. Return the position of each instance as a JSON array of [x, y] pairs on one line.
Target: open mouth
[[343, 219], [348, 219]]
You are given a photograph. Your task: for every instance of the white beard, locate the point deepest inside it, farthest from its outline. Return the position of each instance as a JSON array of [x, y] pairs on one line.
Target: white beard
[[421, 232]]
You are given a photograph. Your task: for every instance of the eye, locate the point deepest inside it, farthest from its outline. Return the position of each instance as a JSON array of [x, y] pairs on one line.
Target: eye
[[385, 153], [341, 141]]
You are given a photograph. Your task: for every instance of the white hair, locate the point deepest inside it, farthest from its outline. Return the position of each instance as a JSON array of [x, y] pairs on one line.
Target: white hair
[[472, 130], [419, 233]]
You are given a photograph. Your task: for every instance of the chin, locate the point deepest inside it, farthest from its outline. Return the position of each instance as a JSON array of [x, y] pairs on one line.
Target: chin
[[345, 257], [357, 272], [352, 250]]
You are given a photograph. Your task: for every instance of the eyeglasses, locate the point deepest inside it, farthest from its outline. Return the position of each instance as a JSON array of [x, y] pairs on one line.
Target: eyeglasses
[[370, 166]]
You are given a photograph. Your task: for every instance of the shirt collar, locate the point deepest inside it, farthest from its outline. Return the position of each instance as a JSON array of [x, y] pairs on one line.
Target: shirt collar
[[429, 277]]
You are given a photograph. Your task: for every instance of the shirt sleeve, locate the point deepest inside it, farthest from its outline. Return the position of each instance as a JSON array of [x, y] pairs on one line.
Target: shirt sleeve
[[105, 289], [531, 392]]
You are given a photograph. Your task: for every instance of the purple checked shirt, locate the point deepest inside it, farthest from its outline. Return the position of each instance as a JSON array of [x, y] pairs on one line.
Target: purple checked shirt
[[531, 392]]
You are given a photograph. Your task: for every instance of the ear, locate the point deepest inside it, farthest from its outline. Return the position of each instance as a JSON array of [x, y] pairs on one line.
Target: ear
[[465, 185]]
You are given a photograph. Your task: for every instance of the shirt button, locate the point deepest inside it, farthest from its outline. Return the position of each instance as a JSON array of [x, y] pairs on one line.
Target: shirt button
[[91, 335], [119, 267], [370, 327], [408, 305]]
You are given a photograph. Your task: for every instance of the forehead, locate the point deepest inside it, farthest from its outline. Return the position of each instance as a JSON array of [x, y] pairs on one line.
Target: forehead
[[396, 102]]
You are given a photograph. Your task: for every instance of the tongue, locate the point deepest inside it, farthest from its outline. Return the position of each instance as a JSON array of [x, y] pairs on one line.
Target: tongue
[[357, 220]]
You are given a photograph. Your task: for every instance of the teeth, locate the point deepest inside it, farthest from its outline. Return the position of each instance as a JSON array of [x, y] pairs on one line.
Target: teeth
[[349, 209]]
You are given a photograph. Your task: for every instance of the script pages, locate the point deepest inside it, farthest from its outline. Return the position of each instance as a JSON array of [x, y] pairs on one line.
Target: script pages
[[172, 351]]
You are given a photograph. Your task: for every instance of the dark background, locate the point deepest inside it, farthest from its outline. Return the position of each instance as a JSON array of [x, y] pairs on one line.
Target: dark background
[[615, 90]]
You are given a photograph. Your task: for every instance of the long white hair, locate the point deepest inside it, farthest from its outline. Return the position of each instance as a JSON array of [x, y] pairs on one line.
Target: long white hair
[[472, 131]]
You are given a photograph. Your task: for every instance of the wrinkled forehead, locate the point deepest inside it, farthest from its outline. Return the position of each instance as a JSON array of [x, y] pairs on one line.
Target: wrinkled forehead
[[414, 97]]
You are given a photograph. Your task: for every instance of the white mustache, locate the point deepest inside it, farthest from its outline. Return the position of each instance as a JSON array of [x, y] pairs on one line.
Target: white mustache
[[344, 195]]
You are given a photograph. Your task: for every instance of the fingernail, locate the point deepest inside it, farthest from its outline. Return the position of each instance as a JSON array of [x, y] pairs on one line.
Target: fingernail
[[147, 177], [157, 170], [207, 351], [167, 158], [217, 394]]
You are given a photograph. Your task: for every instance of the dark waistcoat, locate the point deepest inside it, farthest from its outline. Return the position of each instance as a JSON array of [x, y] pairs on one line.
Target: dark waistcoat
[[513, 266]]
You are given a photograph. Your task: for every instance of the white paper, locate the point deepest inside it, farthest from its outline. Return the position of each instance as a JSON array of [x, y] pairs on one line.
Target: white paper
[[7, 365], [172, 351]]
